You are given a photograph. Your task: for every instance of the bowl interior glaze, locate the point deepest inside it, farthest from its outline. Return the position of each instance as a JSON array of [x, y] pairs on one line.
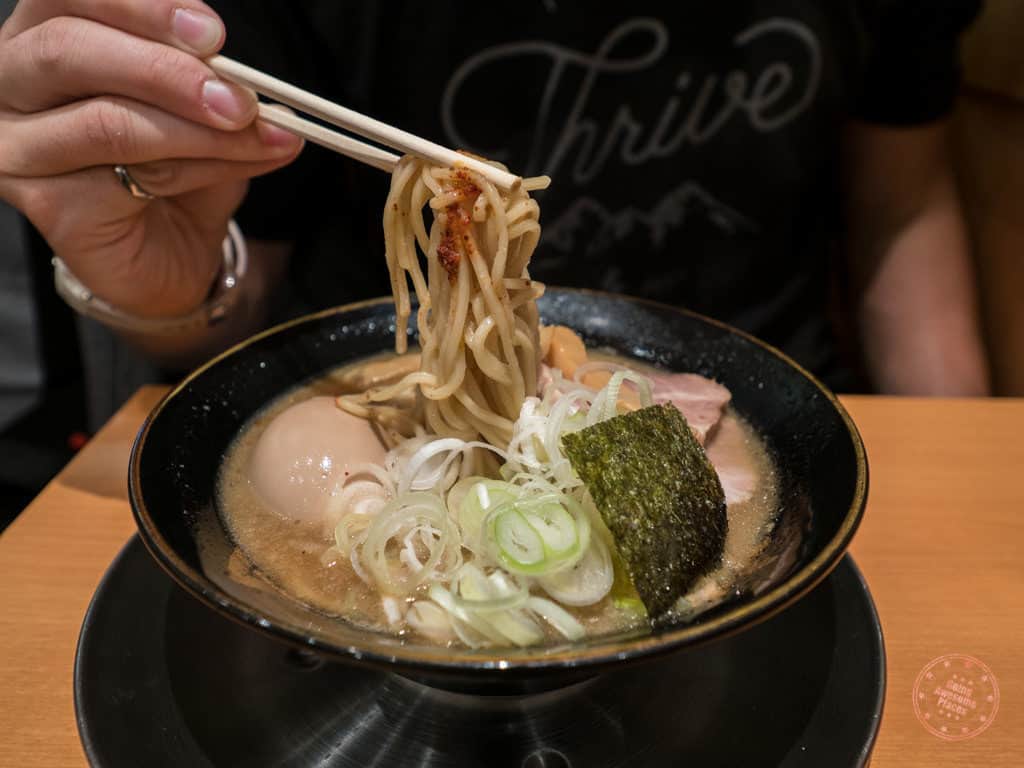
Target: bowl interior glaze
[[818, 453]]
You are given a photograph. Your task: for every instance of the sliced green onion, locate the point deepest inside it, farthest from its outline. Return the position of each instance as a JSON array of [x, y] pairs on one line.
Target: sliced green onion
[[471, 499], [409, 512], [461, 619], [574, 422], [517, 626], [555, 526], [557, 617], [430, 620], [517, 540], [537, 535], [500, 627], [487, 594], [587, 582]]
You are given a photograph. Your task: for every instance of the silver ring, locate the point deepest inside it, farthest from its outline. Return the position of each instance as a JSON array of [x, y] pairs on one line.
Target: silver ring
[[136, 190]]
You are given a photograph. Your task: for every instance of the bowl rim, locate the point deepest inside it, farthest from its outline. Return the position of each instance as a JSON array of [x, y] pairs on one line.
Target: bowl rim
[[595, 654]]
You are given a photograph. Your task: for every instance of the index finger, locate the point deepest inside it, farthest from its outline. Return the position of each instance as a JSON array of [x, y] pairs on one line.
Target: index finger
[[186, 24]]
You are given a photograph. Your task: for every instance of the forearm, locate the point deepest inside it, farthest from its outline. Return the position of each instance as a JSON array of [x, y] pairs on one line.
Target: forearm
[[912, 280], [917, 313], [181, 351]]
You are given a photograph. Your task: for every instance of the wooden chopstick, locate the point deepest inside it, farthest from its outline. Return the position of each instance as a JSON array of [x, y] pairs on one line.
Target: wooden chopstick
[[353, 121], [325, 137]]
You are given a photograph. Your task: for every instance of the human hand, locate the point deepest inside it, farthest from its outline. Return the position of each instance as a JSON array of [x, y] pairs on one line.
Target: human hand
[[89, 84]]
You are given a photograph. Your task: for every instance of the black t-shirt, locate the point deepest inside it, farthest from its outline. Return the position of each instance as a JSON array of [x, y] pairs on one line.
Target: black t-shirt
[[693, 146]]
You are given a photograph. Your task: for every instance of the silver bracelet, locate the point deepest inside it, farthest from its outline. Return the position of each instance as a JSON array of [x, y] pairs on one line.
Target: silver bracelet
[[215, 309]]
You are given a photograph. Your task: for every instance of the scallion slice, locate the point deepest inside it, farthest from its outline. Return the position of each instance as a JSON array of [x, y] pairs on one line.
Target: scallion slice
[[537, 535], [518, 542]]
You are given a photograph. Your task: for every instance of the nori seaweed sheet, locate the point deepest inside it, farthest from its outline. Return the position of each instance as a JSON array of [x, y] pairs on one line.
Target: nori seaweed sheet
[[658, 494]]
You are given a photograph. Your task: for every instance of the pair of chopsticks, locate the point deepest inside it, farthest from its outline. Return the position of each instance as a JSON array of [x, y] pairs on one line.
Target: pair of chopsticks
[[350, 120]]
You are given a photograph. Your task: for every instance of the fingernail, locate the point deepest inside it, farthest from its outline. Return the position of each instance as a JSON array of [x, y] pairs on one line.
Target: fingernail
[[273, 136], [197, 31], [234, 104]]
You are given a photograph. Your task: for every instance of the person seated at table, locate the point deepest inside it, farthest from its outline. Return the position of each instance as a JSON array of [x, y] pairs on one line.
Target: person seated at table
[[753, 161]]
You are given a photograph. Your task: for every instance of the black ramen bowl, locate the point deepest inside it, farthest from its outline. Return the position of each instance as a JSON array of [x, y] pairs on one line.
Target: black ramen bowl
[[819, 457]]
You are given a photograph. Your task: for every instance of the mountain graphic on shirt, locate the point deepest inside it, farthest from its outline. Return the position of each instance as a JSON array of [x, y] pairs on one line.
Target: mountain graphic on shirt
[[589, 228]]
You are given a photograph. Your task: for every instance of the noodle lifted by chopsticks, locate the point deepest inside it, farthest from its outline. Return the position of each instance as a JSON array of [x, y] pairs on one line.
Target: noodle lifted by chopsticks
[[477, 316]]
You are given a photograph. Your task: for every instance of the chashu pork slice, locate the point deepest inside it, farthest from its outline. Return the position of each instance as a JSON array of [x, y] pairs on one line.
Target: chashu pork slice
[[700, 400]]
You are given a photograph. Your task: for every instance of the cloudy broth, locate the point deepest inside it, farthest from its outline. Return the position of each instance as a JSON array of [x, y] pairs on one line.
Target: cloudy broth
[[288, 555]]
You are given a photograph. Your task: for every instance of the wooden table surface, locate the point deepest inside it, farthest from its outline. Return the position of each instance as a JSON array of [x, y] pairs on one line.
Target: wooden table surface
[[941, 548]]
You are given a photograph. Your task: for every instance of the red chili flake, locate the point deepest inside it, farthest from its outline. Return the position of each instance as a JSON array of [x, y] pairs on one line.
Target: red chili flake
[[458, 217], [449, 255], [465, 184]]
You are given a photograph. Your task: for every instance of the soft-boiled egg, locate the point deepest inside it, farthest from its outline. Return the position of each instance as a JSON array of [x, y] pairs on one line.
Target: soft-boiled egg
[[306, 452]]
